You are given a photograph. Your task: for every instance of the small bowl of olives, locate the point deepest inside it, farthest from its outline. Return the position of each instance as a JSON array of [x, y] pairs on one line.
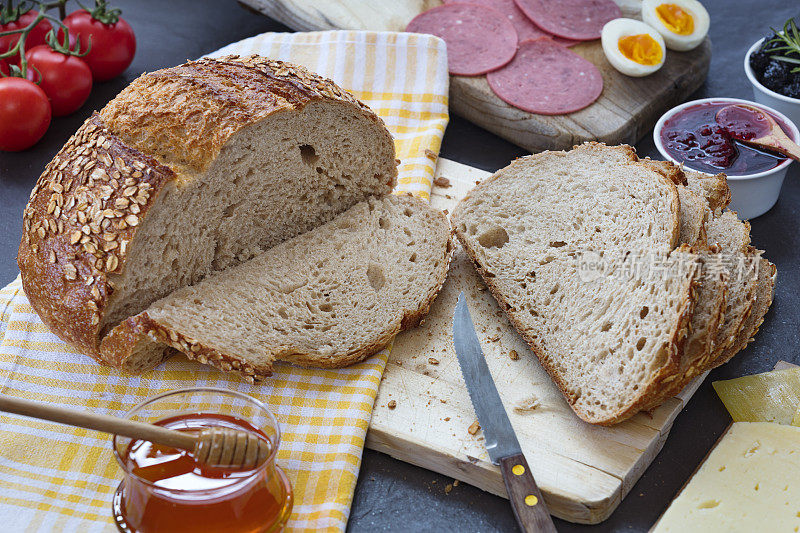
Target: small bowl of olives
[[773, 67]]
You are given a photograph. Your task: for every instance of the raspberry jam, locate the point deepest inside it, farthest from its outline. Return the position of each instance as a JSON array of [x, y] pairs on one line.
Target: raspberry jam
[[693, 137], [166, 489]]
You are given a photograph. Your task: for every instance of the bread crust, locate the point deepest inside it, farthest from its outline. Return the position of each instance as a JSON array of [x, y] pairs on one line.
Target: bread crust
[[83, 212], [184, 115], [165, 127]]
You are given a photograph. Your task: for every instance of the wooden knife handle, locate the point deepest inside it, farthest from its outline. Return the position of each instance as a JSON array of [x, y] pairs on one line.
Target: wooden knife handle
[[526, 500]]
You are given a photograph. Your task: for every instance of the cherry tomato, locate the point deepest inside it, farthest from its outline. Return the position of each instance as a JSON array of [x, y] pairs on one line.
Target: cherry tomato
[[65, 79], [35, 37], [113, 45], [24, 114]]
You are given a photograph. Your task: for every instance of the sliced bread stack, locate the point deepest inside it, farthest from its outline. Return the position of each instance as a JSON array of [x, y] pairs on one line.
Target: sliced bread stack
[[609, 267], [238, 210]]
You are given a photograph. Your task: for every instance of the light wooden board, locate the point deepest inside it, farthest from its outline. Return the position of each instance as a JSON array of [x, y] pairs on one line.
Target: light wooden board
[[624, 113], [584, 471]]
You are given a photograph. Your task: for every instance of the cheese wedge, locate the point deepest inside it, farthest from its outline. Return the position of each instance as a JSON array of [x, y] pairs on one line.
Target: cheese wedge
[[749, 482]]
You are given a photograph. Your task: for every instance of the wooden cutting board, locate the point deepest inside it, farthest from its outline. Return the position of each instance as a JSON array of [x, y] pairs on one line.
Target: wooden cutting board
[[584, 471], [624, 113]]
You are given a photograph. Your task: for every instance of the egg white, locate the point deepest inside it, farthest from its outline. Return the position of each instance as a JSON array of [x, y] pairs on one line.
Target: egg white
[[679, 43], [616, 29]]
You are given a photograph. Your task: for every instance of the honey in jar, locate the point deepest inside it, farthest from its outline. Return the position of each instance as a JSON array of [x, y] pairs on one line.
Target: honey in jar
[[166, 489]]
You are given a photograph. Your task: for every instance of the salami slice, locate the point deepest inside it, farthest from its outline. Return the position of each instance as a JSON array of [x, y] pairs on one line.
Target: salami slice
[[479, 39], [582, 20], [547, 78], [525, 28]]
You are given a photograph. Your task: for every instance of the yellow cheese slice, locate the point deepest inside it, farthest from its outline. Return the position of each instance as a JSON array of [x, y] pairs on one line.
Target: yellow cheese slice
[[749, 483], [768, 397]]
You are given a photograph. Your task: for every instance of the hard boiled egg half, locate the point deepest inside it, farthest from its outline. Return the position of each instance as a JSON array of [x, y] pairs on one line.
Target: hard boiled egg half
[[632, 47], [682, 23]]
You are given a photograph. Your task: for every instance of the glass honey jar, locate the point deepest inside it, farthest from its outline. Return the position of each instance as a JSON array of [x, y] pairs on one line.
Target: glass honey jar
[[165, 489]]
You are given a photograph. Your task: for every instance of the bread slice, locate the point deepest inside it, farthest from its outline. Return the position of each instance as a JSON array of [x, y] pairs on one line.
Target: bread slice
[[327, 298], [713, 188], [188, 171], [712, 292], [728, 232], [694, 216], [694, 208], [609, 341], [764, 291], [732, 236], [668, 169]]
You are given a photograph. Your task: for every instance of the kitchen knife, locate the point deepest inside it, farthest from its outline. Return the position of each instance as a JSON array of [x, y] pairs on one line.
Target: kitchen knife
[[501, 441]]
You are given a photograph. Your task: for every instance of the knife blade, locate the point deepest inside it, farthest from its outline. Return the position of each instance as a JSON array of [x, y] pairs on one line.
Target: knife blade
[[501, 440]]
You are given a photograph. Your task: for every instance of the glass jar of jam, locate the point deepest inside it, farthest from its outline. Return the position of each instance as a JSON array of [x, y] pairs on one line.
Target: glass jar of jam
[[166, 489]]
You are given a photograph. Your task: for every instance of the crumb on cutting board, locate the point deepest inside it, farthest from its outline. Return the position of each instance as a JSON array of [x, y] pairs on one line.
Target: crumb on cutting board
[[433, 360], [513, 355], [527, 405], [392, 404], [474, 427], [441, 181]]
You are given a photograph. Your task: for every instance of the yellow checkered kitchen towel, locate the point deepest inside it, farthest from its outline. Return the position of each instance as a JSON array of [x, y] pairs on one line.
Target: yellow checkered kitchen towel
[[57, 478]]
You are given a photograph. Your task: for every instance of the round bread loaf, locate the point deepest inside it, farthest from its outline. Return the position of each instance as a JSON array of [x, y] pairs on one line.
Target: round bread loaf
[[188, 171]]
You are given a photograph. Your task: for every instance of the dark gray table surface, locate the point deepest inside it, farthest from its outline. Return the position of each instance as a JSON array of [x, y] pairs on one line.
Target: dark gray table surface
[[392, 495]]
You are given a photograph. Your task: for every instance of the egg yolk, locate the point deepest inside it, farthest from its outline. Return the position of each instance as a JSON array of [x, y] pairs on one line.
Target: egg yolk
[[641, 49], [675, 18]]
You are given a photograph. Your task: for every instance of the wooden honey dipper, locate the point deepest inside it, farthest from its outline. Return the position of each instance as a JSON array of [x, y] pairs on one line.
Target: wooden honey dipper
[[214, 446]]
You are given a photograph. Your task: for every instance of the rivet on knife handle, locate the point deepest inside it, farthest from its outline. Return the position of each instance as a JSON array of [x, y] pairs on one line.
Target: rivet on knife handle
[[526, 500]]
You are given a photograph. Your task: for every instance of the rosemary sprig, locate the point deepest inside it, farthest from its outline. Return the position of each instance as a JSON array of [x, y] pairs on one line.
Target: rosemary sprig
[[788, 41]]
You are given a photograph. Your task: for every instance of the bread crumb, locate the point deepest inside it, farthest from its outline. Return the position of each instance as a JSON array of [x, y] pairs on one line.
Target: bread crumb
[[392, 404], [474, 428], [477, 182], [527, 405], [445, 211], [447, 419], [433, 361], [494, 338], [513, 355], [442, 400], [441, 181], [455, 483], [430, 154], [448, 488], [448, 196]]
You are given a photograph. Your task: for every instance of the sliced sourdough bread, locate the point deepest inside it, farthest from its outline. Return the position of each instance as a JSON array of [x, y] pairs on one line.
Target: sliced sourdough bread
[[764, 289], [694, 216], [706, 319], [732, 237], [609, 341], [327, 298], [188, 171], [694, 207], [713, 188]]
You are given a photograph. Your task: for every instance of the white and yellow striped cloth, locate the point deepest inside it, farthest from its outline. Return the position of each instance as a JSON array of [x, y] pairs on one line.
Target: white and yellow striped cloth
[[57, 478]]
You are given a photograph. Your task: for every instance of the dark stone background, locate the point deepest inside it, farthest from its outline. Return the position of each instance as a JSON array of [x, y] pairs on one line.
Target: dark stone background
[[392, 495]]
